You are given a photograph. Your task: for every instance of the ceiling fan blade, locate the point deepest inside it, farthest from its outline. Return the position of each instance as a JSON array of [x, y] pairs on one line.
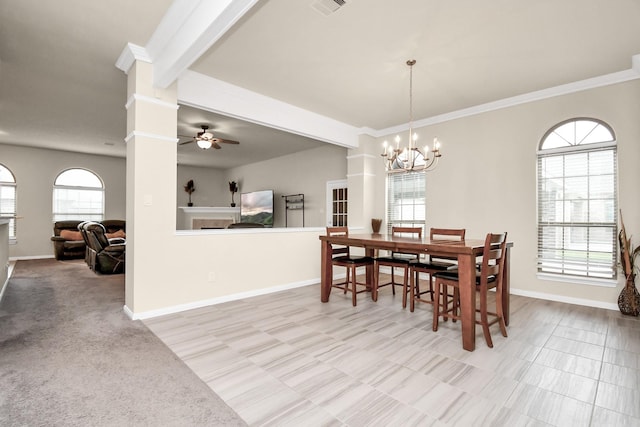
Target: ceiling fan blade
[[215, 145], [185, 142], [225, 141]]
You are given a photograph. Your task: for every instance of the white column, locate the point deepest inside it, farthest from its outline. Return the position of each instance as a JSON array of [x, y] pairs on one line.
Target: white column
[[151, 180], [366, 183]]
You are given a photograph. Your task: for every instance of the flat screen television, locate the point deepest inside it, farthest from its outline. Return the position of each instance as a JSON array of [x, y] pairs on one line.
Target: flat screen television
[[257, 207]]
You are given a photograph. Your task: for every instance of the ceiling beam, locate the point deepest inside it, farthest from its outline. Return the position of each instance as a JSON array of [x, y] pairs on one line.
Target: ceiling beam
[[186, 31], [207, 93]]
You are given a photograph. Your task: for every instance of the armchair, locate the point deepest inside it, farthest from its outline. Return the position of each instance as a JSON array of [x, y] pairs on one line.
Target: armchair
[[67, 240], [104, 256]]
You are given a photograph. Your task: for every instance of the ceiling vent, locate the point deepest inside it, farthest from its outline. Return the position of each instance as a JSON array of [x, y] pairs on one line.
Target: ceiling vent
[[327, 7]]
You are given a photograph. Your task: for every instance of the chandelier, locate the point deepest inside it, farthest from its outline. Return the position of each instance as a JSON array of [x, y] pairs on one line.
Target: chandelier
[[411, 157]]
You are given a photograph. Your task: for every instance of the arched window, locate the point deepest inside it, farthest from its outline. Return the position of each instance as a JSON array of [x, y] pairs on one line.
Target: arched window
[[577, 202], [8, 206], [78, 194]]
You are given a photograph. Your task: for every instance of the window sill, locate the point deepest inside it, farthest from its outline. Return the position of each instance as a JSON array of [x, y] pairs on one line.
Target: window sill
[[605, 283]]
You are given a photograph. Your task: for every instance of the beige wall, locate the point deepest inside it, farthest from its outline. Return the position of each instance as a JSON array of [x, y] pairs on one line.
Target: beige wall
[[486, 180], [35, 171], [211, 187]]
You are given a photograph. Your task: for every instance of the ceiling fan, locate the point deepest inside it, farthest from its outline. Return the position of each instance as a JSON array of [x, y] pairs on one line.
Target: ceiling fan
[[206, 140]]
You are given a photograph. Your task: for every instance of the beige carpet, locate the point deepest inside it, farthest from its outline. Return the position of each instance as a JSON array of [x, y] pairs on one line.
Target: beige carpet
[[70, 356]]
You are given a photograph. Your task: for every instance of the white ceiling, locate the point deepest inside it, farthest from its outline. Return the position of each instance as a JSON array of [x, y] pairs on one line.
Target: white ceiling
[[59, 86]]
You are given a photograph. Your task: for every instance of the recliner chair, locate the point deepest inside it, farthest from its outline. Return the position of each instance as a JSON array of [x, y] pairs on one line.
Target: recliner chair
[[104, 256]]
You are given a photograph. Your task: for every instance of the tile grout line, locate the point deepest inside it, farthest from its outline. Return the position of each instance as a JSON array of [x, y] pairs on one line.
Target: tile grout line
[[595, 397]]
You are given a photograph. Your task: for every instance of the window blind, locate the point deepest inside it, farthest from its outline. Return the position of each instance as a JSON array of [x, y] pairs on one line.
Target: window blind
[[406, 194], [8, 206], [577, 213], [78, 194]]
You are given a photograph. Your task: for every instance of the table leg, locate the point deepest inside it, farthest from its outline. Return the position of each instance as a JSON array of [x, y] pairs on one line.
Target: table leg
[[467, 284], [326, 271], [370, 273]]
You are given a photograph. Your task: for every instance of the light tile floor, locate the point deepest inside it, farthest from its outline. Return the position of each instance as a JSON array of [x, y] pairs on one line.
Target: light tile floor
[[288, 359]]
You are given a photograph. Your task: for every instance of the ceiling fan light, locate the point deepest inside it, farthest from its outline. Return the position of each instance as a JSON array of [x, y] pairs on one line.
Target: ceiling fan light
[[207, 135], [205, 145]]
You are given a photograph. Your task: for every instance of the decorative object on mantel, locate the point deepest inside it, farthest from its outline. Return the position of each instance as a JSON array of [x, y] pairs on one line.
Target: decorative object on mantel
[[629, 299], [376, 223], [233, 188], [410, 158], [190, 188]]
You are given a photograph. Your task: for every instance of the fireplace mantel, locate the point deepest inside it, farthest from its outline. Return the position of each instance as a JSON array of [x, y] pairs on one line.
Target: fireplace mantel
[[210, 210], [198, 217]]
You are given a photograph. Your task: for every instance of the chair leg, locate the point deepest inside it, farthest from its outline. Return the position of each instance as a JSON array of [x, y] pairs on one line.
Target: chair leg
[[346, 281], [484, 320], [431, 286], [374, 285], [393, 282], [405, 287], [455, 303], [353, 288], [436, 307], [412, 291], [500, 313]]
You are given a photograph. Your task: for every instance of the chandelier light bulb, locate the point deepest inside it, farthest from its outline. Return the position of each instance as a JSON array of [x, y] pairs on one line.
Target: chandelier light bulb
[[205, 145]]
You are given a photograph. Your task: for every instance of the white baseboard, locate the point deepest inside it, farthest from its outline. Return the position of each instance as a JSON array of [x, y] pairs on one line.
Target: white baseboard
[[241, 295], [10, 266], [213, 301], [27, 258], [564, 299]]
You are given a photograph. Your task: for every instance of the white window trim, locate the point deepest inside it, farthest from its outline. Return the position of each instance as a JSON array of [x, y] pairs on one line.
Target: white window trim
[[389, 222], [568, 278], [12, 240], [77, 187]]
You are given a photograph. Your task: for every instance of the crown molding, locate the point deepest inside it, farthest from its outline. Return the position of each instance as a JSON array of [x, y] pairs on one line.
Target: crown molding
[[129, 55], [579, 86]]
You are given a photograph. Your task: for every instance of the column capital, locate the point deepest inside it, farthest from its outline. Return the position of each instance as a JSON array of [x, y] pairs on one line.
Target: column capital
[[130, 54]]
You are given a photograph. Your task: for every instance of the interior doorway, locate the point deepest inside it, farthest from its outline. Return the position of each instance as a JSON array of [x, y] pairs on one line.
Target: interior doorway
[[337, 200]]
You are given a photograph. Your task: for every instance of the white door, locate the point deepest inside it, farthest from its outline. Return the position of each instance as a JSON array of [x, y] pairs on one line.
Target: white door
[[337, 203]]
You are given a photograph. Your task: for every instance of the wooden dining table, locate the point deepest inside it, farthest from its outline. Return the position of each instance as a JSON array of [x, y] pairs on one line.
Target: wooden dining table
[[465, 251]]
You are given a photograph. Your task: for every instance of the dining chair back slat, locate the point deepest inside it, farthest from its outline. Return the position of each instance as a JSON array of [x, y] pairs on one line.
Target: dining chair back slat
[[397, 260], [432, 265]]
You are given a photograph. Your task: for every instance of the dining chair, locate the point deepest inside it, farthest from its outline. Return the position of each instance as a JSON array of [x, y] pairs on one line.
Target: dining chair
[[341, 257], [398, 260], [432, 265], [490, 276]]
